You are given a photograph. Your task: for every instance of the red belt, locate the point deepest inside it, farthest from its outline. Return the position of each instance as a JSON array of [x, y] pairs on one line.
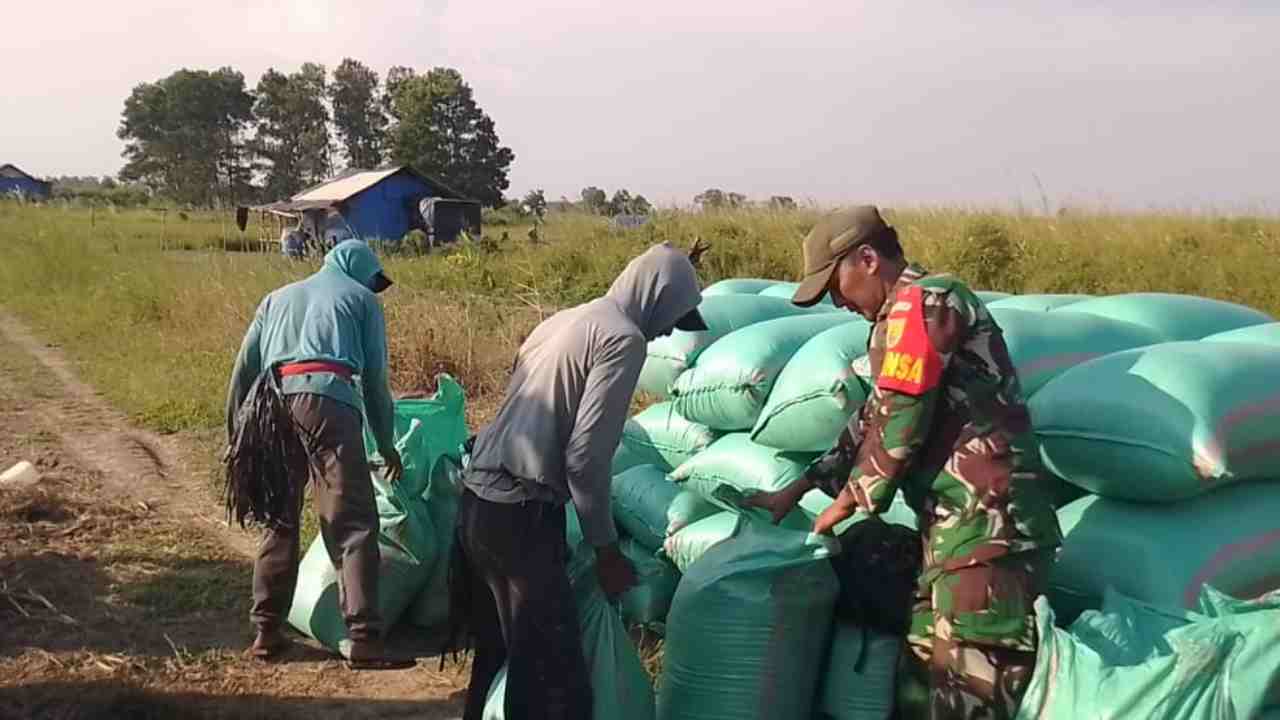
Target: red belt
[[302, 368]]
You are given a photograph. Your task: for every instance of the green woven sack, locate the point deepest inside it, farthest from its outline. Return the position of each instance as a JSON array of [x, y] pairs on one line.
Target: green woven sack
[[859, 675], [408, 553], [1037, 302], [738, 286], [640, 499], [669, 356], [1163, 423], [441, 419], [816, 393], [1265, 334], [660, 436], [726, 389], [787, 290], [1134, 660], [736, 461], [749, 628], [1042, 345], [656, 581], [1175, 317], [1165, 554]]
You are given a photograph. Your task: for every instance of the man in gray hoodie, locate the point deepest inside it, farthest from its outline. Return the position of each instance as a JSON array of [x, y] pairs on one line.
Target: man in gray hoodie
[[553, 441]]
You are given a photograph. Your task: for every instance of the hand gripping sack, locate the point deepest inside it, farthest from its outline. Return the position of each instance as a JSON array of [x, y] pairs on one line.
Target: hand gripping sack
[[1175, 317], [738, 286], [728, 385], [1045, 345], [815, 502], [1036, 302], [816, 393], [656, 581], [659, 436], [749, 628], [620, 688], [669, 356], [1166, 554], [1163, 423], [1266, 334], [1136, 660]]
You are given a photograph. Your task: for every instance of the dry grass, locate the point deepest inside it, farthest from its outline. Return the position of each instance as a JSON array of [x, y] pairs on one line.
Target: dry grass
[[157, 331]]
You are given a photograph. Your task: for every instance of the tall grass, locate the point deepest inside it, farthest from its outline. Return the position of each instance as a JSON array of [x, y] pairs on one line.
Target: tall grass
[[156, 330]]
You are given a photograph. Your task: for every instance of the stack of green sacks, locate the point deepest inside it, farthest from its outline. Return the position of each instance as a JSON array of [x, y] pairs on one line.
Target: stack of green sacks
[[1148, 407], [1177, 445]]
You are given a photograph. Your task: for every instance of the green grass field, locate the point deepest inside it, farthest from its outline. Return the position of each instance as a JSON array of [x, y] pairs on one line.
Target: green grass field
[[156, 329]]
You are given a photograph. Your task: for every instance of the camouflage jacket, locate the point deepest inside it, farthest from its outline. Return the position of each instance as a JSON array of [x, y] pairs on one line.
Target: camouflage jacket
[[946, 424]]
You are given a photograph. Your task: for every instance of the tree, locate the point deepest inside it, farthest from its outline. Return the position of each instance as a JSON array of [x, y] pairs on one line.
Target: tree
[[358, 113], [594, 200], [711, 199], [439, 128], [536, 202], [782, 202], [185, 136], [624, 203], [618, 204], [716, 199], [293, 129], [396, 77]]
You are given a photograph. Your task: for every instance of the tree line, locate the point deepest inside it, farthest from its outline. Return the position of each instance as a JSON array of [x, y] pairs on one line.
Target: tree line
[[205, 138]]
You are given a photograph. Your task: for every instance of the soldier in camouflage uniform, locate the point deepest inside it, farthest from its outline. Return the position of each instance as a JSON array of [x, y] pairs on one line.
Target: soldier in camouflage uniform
[[945, 423]]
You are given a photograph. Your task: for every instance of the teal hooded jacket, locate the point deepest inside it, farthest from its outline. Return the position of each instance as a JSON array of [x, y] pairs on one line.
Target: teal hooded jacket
[[333, 315]]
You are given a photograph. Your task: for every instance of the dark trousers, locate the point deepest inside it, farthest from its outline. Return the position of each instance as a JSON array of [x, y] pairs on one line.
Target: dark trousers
[[521, 610], [348, 514]]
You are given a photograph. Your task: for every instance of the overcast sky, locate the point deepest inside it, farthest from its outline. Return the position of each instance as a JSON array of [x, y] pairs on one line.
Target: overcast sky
[[1129, 103]]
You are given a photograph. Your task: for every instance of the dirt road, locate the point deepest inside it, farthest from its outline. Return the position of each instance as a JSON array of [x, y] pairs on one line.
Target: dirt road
[[122, 591]]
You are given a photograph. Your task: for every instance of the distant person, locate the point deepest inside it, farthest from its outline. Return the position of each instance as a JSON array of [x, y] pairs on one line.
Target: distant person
[[315, 335], [293, 243], [553, 442], [945, 423]]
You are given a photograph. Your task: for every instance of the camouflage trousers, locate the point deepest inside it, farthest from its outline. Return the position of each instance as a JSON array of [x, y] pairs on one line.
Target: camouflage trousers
[[973, 636]]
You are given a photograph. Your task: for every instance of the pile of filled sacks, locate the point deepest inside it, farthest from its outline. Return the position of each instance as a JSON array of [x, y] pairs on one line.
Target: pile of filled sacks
[[1159, 417]]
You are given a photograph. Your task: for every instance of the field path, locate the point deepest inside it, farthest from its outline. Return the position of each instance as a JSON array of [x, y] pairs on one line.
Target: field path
[[136, 462], [123, 591]]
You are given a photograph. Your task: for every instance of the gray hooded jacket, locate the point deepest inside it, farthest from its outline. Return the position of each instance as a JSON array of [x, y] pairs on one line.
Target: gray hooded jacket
[[570, 392]]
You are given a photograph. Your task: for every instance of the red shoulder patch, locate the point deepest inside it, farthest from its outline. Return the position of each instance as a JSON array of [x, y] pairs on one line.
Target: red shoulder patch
[[911, 364]]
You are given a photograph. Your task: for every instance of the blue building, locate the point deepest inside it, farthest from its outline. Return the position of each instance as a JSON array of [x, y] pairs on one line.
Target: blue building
[[378, 206], [15, 182]]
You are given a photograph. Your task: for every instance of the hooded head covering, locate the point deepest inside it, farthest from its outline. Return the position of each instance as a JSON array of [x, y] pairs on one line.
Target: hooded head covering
[[659, 290], [356, 260]]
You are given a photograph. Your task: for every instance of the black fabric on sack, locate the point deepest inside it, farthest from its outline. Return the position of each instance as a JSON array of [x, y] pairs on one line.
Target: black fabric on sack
[[877, 568]]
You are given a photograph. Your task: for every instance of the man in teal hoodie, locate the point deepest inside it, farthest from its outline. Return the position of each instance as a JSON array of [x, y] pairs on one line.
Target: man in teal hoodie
[[319, 335]]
